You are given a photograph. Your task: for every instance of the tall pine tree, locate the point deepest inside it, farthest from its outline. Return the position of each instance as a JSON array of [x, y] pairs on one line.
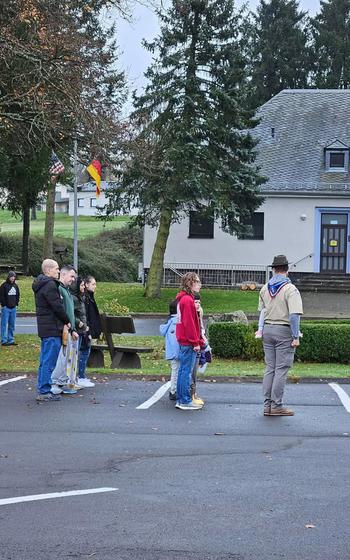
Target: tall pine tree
[[331, 33], [191, 149], [279, 50]]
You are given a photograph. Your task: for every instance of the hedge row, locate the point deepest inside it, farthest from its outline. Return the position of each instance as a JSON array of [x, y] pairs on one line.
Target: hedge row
[[320, 343]]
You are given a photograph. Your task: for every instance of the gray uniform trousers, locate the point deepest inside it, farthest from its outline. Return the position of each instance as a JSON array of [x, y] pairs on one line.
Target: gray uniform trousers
[[279, 357]]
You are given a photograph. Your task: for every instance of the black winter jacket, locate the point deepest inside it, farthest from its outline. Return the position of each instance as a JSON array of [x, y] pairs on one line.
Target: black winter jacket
[[79, 308], [50, 312], [9, 294], [92, 315]]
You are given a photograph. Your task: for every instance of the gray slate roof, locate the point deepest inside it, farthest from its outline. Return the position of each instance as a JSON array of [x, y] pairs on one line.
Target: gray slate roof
[[304, 123]]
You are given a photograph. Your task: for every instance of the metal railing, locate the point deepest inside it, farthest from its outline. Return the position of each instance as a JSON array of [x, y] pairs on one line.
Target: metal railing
[[217, 274], [308, 256]]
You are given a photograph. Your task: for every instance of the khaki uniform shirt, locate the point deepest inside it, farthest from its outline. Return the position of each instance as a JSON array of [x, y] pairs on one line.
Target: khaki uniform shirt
[[278, 308]]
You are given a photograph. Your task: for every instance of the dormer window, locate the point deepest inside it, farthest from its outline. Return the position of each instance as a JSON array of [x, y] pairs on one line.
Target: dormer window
[[337, 157]]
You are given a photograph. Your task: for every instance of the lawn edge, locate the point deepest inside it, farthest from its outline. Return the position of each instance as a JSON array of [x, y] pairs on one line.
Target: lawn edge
[[204, 379]]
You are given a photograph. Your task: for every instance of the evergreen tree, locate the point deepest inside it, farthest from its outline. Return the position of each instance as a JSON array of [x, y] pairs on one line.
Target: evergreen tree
[[279, 50], [331, 33], [191, 149]]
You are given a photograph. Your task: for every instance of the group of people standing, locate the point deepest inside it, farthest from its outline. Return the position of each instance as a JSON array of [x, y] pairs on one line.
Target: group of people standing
[[186, 345], [68, 319], [280, 307]]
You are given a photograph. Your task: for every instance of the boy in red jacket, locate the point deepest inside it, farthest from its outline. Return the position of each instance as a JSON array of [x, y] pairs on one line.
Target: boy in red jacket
[[188, 334]]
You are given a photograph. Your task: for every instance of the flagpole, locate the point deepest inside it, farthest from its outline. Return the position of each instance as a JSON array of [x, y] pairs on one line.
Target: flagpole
[[75, 218]]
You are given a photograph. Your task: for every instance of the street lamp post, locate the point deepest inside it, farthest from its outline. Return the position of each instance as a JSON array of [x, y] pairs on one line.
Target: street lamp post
[[75, 218]]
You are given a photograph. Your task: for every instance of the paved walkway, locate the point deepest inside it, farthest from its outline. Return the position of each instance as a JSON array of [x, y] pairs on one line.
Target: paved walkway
[[224, 483]]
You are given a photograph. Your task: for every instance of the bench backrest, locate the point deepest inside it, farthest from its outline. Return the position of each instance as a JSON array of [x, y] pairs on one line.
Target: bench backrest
[[115, 325]]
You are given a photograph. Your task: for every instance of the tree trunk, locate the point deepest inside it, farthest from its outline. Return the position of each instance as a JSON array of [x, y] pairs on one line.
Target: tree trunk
[[49, 220], [25, 239], [154, 278], [33, 213]]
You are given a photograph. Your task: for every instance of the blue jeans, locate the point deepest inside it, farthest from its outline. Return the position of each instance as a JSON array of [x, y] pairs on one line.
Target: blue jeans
[[50, 348], [84, 353], [8, 320], [187, 361]]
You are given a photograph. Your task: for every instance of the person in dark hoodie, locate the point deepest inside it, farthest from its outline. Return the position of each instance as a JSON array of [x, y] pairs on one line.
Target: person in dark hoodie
[[51, 319], [280, 309], [9, 300], [92, 312], [188, 334], [77, 290]]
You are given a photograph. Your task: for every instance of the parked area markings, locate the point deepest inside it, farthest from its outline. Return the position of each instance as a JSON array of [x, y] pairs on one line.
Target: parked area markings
[[155, 398], [36, 497], [343, 396], [12, 379]]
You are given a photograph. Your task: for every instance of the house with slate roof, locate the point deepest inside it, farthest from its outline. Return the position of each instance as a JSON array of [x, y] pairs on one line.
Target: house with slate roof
[[303, 150]]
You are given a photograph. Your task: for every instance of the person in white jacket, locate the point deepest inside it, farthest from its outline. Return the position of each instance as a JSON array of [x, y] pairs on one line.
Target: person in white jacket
[[171, 347]]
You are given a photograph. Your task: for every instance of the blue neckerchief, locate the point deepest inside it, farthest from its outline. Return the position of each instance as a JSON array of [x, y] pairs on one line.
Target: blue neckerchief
[[276, 283]]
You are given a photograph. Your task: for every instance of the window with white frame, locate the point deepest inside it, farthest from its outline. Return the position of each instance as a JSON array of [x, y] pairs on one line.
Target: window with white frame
[[337, 160], [81, 203], [93, 202]]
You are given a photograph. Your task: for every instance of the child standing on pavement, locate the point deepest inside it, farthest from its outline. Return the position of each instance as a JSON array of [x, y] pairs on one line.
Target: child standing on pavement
[[195, 398], [188, 334], [171, 347]]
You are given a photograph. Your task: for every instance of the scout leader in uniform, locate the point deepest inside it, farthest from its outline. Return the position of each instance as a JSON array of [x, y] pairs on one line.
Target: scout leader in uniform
[[280, 308]]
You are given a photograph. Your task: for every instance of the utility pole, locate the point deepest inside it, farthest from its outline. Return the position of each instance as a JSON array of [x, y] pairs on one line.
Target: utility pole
[[75, 218]]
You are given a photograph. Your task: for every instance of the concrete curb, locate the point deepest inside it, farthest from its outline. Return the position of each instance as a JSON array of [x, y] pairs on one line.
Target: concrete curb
[[209, 379]]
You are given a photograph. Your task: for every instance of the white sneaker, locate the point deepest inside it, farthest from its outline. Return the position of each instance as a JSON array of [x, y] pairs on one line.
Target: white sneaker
[[84, 382], [56, 390]]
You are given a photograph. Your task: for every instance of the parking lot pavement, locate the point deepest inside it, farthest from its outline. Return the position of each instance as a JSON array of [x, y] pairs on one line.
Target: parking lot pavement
[[217, 484]]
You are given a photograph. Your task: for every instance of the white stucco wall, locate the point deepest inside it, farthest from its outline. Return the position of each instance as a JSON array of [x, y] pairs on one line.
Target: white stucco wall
[[284, 233]]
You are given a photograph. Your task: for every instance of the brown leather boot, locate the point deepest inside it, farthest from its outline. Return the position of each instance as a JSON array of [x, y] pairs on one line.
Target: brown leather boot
[[281, 411], [267, 410]]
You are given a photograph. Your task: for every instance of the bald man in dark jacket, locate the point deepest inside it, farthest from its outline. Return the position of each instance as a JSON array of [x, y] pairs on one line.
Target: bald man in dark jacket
[[51, 318]]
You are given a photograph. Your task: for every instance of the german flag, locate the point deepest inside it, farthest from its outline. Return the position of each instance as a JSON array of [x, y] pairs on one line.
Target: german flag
[[95, 171]]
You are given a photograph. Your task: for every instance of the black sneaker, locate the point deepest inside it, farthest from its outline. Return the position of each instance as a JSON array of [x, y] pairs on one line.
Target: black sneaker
[[12, 344], [47, 397], [172, 396]]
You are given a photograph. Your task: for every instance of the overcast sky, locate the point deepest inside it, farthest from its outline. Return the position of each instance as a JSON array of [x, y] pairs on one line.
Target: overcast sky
[[135, 59]]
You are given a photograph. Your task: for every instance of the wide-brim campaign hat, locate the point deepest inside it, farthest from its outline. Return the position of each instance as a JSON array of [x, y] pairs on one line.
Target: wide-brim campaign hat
[[280, 260]]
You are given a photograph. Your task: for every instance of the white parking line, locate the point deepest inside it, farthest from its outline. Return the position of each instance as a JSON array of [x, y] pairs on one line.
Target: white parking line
[[12, 379], [35, 497], [344, 397], [154, 398]]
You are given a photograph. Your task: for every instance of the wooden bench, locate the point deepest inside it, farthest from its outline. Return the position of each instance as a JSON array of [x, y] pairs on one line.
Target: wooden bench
[[6, 266], [122, 356]]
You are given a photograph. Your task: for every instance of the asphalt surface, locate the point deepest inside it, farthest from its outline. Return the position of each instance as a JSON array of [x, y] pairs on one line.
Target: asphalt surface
[[143, 327], [223, 483]]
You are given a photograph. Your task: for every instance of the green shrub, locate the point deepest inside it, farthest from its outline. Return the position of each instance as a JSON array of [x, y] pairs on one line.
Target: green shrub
[[328, 342], [324, 343], [227, 340], [110, 256]]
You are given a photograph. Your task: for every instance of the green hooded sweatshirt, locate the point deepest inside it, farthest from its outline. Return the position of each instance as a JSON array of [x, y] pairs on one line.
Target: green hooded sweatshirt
[[68, 303]]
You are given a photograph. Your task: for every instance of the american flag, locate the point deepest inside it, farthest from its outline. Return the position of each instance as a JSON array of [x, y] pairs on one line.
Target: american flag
[[56, 166]]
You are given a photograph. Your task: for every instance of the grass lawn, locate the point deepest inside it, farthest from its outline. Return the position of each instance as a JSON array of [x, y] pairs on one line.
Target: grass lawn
[[87, 225], [24, 358], [131, 295]]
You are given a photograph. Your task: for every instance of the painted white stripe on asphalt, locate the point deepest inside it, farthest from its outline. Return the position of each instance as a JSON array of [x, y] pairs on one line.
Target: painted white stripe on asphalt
[[36, 497], [344, 397], [154, 398], [12, 379]]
